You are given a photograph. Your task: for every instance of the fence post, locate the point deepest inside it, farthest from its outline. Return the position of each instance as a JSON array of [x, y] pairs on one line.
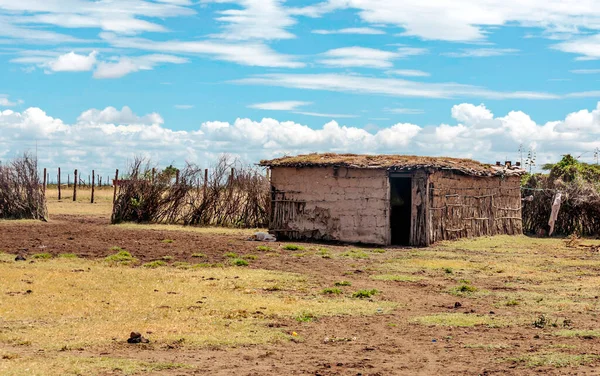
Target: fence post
[[44, 186], [93, 181], [205, 180], [177, 177], [68, 181], [153, 174], [115, 184], [232, 175], [59, 193], [75, 187]]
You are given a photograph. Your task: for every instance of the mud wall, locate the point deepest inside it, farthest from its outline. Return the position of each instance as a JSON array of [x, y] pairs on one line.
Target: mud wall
[[467, 206], [325, 203]]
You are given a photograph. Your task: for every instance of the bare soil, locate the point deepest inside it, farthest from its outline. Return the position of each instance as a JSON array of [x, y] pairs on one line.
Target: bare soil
[[376, 345]]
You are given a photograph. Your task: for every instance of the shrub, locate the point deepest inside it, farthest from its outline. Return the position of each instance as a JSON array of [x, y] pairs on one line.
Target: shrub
[[21, 192], [122, 257], [331, 291]]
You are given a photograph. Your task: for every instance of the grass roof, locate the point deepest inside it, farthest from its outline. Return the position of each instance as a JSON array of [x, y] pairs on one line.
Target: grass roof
[[392, 162]]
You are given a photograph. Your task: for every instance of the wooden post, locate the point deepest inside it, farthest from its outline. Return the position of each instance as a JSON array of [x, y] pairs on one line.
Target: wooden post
[[44, 186], [59, 195], [177, 177], [231, 176], [93, 181], [205, 180], [68, 181], [115, 184], [153, 174], [75, 187]]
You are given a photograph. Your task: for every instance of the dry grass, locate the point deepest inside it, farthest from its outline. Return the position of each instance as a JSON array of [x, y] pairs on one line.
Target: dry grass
[[461, 320], [217, 306], [197, 230], [102, 201], [44, 365]]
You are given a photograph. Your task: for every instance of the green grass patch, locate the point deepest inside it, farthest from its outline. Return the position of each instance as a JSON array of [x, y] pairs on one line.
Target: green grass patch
[[293, 247], [378, 250], [263, 248], [42, 256], [355, 254], [463, 290], [167, 258], [365, 294], [239, 262], [250, 257], [231, 255], [121, 257], [331, 291], [168, 241], [343, 283], [306, 317], [199, 255], [154, 264]]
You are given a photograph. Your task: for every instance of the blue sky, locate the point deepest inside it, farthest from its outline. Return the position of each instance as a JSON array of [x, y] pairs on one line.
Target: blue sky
[[96, 82]]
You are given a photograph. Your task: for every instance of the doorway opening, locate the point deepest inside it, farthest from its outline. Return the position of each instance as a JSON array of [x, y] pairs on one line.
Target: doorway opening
[[400, 209]]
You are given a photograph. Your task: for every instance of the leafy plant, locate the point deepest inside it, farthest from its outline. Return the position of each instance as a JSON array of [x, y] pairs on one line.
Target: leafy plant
[[331, 291], [42, 256]]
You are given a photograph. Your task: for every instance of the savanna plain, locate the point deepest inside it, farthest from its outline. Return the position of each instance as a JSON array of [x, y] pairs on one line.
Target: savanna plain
[[210, 301]]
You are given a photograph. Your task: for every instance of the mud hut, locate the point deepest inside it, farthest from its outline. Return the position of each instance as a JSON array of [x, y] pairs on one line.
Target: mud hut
[[392, 199]]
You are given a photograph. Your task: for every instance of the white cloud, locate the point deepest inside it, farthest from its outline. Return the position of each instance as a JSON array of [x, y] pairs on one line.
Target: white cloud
[[72, 62], [586, 71], [482, 52], [366, 57], [249, 53], [408, 73], [406, 111], [258, 19], [5, 102], [467, 20], [280, 106], [104, 139], [184, 106], [128, 17], [320, 114], [588, 47], [351, 30], [385, 86], [125, 65]]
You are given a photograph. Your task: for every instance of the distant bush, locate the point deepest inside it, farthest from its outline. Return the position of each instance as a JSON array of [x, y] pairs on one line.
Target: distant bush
[[579, 184], [241, 200], [21, 192]]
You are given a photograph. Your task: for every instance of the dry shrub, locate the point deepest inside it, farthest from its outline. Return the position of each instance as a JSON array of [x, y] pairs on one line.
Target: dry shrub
[[580, 208], [219, 201], [21, 193]]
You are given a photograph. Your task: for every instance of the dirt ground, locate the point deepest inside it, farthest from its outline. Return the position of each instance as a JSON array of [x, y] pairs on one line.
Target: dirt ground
[[384, 344]]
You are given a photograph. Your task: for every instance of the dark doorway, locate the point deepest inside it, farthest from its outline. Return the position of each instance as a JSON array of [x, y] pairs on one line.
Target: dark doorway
[[400, 206]]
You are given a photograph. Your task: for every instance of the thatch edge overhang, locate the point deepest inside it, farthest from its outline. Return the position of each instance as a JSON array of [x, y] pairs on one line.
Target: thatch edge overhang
[[394, 163]]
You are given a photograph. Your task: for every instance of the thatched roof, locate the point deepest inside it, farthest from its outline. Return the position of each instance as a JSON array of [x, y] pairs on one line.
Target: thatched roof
[[393, 163]]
